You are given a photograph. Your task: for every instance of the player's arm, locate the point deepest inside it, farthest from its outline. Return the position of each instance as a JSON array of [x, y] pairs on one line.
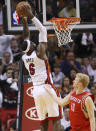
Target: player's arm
[[26, 32], [41, 49], [90, 109], [61, 101]]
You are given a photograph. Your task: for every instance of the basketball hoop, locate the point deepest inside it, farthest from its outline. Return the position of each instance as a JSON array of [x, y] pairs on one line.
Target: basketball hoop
[[63, 28]]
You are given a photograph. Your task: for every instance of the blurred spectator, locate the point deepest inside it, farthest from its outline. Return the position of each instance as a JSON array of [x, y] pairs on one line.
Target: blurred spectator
[[87, 43], [1, 15], [49, 12], [82, 3], [52, 56], [15, 66], [93, 90], [2, 76], [16, 74], [51, 9], [6, 60], [68, 11], [52, 59], [84, 44], [72, 75], [70, 63], [15, 50], [86, 13], [65, 121], [61, 4], [62, 54], [92, 69], [9, 89], [66, 87], [85, 64], [5, 42], [58, 76]]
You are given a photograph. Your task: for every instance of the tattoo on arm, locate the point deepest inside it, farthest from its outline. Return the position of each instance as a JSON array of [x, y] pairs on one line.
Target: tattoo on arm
[[41, 50]]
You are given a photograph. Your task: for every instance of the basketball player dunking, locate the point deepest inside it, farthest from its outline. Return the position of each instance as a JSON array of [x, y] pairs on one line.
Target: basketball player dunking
[[81, 106], [36, 62]]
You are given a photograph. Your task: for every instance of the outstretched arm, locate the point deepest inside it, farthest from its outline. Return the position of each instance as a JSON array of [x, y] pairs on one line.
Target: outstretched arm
[[90, 109], [62, 102], [41, 49], [26, 32]]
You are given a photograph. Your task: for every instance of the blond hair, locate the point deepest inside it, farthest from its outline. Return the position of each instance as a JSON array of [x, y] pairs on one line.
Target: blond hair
[[84, 79]]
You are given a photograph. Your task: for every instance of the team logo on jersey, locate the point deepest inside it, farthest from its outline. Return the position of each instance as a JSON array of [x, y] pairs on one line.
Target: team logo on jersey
[[29, 91], [31, 113], [75, 99]]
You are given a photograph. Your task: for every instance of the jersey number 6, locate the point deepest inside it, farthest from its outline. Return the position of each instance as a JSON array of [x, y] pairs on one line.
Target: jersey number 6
[[31, 69]]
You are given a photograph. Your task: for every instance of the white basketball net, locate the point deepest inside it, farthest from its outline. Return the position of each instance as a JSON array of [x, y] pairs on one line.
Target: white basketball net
[[64, 35]]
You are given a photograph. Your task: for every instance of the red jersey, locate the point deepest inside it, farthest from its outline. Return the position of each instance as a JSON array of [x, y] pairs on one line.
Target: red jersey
[[77, 118]]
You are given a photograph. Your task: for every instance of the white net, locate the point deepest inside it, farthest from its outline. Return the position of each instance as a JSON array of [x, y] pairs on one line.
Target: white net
[[63, 31]]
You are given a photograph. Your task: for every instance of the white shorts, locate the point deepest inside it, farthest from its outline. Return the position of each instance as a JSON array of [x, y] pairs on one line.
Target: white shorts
[[46, 107]]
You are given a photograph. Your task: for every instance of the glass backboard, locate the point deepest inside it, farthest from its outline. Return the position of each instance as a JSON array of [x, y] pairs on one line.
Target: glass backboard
[[46, 9]]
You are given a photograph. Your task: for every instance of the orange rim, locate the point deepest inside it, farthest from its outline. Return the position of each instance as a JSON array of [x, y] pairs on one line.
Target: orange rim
[[65, 19], [63, 22]]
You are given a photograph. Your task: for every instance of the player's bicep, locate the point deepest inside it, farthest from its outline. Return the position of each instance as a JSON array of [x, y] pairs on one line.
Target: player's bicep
[[41, 50], [90, 107]]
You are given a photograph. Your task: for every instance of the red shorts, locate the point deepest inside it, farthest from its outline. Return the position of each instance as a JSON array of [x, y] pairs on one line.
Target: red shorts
[[81, 129]]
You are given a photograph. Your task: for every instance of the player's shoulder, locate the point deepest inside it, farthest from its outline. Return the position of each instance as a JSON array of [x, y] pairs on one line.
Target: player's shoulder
[[89, 102], [88, 99], [88, 96]]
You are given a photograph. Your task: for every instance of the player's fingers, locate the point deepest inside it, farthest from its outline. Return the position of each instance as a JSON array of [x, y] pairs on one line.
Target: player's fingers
[[25, 19]]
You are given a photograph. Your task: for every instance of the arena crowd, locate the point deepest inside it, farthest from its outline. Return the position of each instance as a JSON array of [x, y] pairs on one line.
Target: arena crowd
[[65, 62]]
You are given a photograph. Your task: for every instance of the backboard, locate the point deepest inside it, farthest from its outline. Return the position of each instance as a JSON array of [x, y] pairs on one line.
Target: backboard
[[46, 9]]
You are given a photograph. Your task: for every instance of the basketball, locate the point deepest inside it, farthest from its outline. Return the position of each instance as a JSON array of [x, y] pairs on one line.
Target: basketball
[[22, 8]]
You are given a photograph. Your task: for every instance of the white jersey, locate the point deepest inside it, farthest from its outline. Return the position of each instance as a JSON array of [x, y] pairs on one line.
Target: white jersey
[[5, 45], [38, 69]]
